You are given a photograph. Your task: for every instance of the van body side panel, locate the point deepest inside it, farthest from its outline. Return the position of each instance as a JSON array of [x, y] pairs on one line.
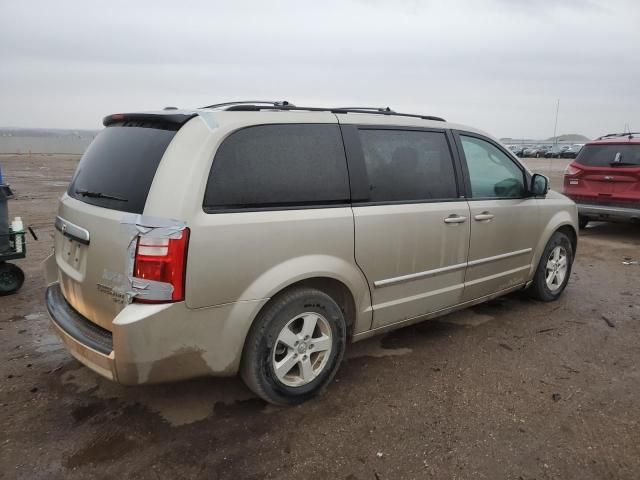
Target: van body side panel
[[501, 250], [414, 261], [246, 256], [249, 254], [411, 223]]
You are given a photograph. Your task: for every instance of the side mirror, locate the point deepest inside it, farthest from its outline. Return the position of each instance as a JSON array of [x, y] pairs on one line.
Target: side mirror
[[539, 185]]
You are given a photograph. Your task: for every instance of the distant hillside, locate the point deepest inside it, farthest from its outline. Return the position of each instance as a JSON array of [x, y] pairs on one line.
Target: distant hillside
[[45, 132], [45, 140], [570, 137], [567, 138]]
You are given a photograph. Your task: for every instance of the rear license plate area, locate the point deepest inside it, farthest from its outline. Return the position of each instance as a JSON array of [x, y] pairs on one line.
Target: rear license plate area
[[72, 253]]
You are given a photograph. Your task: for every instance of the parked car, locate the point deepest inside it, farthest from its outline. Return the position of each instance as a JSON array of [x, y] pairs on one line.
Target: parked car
[[534, 151], [604, 179], [261, 238], [553, 151], [543, 150], [557, 151], [572, 151], [523, 152], [516, 150], [540, 151]]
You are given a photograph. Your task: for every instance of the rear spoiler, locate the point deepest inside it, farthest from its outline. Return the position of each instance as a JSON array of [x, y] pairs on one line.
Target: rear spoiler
[[176, 120]]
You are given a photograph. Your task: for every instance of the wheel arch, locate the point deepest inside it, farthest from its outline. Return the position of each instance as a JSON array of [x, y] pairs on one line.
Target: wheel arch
[[333, 275], [335, 288], [570, 232], [563, 222]]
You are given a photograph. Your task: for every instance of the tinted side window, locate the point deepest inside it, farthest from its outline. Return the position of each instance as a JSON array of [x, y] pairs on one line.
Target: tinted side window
[[492, 173], [279, 165], [405, 165]]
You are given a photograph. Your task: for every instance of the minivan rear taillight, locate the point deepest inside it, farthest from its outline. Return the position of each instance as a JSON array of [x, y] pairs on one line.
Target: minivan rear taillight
[[163, 260]]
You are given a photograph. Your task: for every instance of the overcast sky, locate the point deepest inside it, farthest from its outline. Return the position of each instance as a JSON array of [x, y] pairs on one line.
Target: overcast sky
[[499, 65]]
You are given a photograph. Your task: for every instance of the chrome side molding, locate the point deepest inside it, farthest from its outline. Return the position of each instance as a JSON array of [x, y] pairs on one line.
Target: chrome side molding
[[415, 276], [502, 256], [436, 271]]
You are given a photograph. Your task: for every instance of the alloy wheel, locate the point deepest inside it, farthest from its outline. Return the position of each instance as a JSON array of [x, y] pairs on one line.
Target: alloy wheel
[[556, 268], [302, 349]]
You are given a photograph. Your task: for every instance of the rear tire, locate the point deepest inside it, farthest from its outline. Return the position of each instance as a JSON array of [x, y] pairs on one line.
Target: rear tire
[[11, 278], [554, 269], [294, 347], [583, 222]]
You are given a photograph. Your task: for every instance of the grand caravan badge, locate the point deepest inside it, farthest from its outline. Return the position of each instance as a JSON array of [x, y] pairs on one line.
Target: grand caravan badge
[[116, 292]]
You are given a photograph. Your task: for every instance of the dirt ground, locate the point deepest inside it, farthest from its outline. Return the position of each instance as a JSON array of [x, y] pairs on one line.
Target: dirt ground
[[513, 389]]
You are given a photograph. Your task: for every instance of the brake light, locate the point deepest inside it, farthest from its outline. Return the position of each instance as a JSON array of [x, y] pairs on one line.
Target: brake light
[[162, 260], [572, 170]]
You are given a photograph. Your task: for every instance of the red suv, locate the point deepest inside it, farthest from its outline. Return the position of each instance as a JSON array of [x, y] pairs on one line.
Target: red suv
[[604, 179]]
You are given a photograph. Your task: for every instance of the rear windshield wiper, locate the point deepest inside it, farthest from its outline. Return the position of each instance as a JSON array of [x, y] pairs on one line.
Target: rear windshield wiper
[[624, 164], [90, 194]]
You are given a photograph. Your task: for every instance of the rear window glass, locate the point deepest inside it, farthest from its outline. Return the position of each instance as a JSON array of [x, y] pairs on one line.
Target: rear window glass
[[279, 165], [610, 156], [408, 165], [117, 169]]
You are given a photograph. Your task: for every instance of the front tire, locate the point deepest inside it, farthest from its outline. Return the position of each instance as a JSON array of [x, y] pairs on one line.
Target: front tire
[[294, 347], [554, 269]]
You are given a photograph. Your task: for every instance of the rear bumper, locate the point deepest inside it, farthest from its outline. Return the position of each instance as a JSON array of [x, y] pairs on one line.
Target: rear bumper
[[155, 343], [609, 213], [85, 341]]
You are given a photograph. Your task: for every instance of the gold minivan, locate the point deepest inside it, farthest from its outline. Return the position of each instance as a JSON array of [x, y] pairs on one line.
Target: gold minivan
[[261, 238]]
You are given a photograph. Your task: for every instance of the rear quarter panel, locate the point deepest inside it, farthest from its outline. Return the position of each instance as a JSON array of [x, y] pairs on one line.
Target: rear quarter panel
[[251, 256]]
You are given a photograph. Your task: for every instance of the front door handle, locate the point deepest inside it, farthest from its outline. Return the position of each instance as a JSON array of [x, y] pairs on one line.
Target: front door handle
[[484, 216], [453, 218]]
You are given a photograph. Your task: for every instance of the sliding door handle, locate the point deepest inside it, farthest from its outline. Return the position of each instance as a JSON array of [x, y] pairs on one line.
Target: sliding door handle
[[484, 216], [455, 219]]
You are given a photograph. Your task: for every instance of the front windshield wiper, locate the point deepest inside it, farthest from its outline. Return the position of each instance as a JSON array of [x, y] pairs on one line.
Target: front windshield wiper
[[90, 194], [624, 164]]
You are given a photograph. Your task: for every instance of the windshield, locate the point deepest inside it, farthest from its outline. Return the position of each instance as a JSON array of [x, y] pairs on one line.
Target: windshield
[[610, 155], [117, 169]]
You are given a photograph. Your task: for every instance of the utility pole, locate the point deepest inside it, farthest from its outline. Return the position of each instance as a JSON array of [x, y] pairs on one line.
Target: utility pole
[[555, 128]]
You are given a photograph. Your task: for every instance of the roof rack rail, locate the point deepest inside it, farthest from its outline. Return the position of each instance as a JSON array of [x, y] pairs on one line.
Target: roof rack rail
[[387, 111], [625, 134], [257, 106], [251, 102], [375, 109]]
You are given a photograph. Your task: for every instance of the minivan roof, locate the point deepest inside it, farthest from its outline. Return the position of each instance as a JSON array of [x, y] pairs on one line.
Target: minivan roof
[[257, 105], [383, 116]]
